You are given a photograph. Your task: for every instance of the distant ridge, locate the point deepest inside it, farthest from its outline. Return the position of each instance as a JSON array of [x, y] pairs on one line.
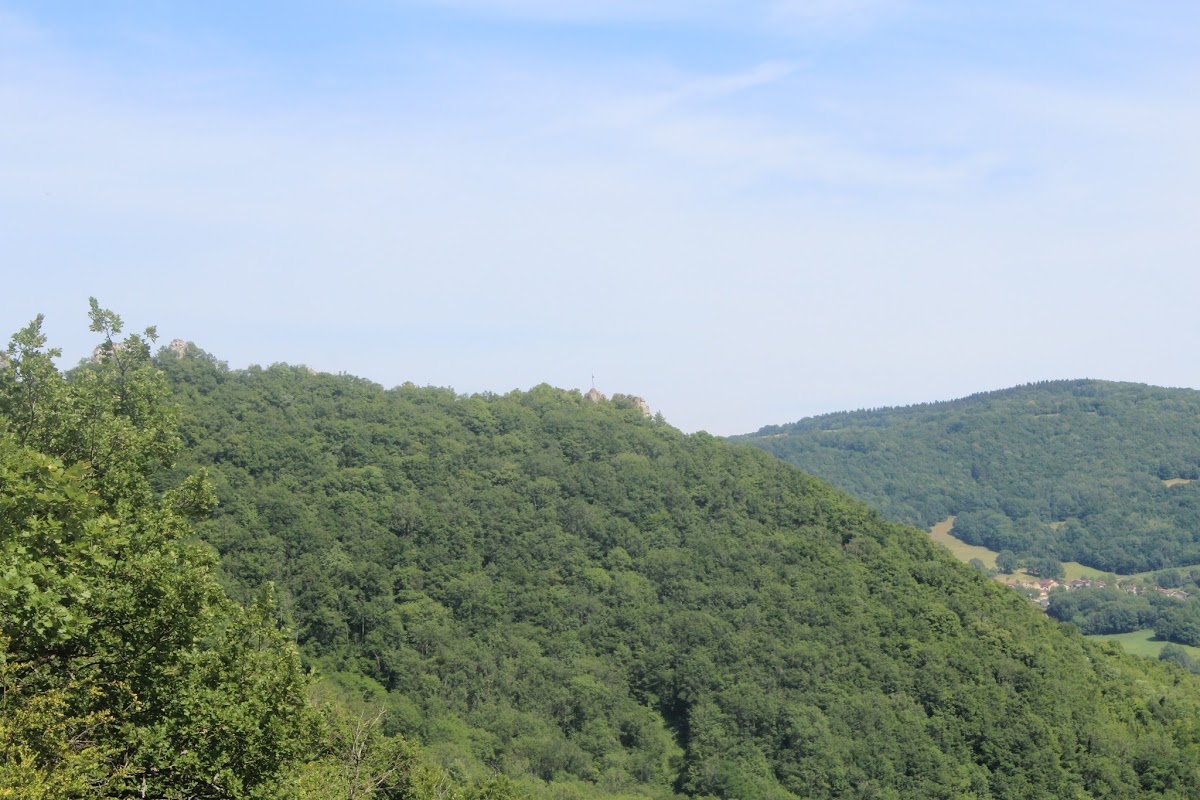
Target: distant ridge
[[1072, 469], [960, 402]]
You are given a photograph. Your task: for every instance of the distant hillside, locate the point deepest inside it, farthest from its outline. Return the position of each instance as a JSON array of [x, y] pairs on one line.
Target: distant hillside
[[1090, 471], [598, 605]]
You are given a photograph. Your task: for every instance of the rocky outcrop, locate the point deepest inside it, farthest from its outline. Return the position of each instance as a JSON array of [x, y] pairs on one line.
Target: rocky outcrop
[[636, 402], [623, 400], [99, 352], [178, 347]]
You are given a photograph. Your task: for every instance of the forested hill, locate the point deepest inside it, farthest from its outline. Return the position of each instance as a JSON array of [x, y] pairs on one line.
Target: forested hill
[[598, 605], [1090, 471]]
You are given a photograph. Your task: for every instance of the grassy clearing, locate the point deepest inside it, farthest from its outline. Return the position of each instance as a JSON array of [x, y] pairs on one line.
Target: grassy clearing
[[1138, 643], [1177, 481], [1143, 643], [1075, 571], [1185, 568], [964, 552], [940, 533]]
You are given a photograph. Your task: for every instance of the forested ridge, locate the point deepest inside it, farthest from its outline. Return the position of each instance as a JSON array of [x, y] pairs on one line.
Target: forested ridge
[[534, 594], [578, 595], [1091, 471], [125, 670]]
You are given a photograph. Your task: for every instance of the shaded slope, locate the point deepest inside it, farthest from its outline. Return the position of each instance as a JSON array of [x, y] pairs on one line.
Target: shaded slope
[[1088, 471], [594, 602]]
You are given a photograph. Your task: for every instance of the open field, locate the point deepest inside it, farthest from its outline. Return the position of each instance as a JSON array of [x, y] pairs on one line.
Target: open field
[[1073, 570], [1176, 481], [1182, 568], [940, 533], [964, 552], [1143, 643]]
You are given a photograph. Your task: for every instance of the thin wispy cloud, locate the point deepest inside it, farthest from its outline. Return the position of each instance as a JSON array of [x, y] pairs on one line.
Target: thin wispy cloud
[[739, 227], [629, 104], [718, 86], [689, 12], [832, 11], [580, 11]]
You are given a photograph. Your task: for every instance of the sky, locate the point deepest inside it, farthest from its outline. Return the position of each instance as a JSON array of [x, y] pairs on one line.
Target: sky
[[745, 213]]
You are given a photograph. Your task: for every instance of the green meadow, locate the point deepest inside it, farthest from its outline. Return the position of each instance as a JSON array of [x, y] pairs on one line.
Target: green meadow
[[964, 552], [1143, 643], [1073, 570]]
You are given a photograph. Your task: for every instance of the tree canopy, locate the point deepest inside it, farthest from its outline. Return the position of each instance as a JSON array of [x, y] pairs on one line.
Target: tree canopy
[[594, 604], [1090, 471], [495, 596], [125, 669]]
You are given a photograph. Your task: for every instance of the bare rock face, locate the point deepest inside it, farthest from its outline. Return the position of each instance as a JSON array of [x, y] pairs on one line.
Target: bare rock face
[[178, 347], [641, 404], [99, 355], [595, 395], [636, 402]]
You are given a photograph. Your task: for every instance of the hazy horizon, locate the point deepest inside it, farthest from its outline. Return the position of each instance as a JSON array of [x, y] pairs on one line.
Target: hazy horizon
[[744, 213]]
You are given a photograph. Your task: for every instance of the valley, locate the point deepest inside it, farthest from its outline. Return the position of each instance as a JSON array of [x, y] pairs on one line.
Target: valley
[[1084, 487], [1140, 642]]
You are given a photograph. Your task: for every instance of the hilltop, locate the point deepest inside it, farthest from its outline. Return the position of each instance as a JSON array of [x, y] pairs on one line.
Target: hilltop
[[597, 605], [1090, 471]]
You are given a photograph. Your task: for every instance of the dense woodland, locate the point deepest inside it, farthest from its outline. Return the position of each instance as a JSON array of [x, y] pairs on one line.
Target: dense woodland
[[125, 669], [273, 583], [1109, 610], [1089, 471]]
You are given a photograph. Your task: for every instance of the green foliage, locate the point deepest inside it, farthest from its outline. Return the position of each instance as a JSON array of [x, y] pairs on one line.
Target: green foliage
[[1088, 471], [125, 670], [1046, 567], [1177, 655], [1179, 622], [591, 604], [1111, 611], [49, 749], [1103, 611], [361, 762]]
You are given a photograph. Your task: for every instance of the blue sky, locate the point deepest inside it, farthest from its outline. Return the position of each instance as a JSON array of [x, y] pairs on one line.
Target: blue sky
[[744, 212]]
